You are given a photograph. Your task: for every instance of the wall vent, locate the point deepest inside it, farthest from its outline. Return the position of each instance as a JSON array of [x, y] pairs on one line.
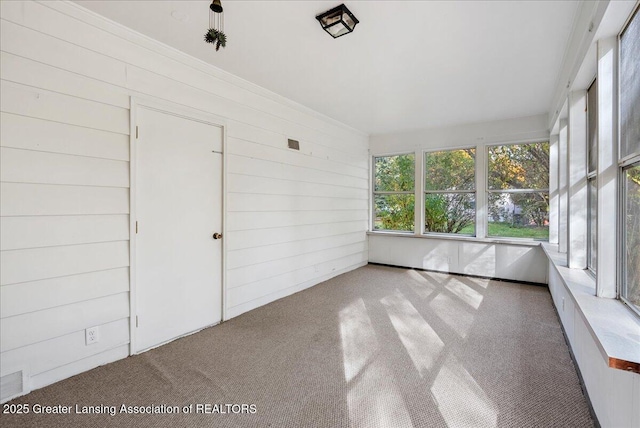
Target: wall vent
[[12, 385], [294, 144]]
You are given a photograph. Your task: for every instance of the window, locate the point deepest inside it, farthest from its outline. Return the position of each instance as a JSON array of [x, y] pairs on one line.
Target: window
[[631, 235], [393, 193], [450, 198], [629, 96], [518, 191], [630, 88], [592, 176]]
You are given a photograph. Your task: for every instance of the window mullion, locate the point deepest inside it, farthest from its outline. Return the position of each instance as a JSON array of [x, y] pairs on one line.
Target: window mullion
[[481, 194], [563, 183], [607, 168], [553, 189], [418, 227], [577, 249]]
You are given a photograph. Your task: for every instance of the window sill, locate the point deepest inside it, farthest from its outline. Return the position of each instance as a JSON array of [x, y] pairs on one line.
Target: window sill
[[611, 324], [504, 241]]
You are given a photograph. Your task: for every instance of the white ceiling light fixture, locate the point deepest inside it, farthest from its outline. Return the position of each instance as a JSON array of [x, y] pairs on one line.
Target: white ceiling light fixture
[[338, 21]]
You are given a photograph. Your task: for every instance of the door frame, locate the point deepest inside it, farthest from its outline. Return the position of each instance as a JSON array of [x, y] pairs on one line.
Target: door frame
[[178, 110]]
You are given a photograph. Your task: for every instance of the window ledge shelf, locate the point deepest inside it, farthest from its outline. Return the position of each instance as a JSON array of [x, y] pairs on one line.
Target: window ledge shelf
[[504, 241], [614, 328]]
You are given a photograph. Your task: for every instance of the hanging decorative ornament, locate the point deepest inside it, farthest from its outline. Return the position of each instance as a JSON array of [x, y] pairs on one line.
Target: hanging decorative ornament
[[215, 34]]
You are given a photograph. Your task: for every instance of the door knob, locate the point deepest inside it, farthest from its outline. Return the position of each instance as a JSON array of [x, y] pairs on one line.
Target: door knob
[[217, 235]]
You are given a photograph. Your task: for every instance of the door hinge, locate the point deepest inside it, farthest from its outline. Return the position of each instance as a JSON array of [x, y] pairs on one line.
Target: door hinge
[[136, 132], [137, 323], [136, 227]]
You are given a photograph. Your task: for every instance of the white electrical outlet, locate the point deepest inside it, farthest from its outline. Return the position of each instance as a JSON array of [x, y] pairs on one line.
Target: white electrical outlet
[[91, 335]]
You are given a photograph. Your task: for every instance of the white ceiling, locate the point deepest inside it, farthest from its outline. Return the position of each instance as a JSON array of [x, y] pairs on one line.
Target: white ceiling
[[408, 64]]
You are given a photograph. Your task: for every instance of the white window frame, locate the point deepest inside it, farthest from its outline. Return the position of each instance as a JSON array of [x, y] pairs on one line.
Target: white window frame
[[592, 175], [481, 192], [624, 162], [372, 206], [424, 192], [629, 162], [489, 191]]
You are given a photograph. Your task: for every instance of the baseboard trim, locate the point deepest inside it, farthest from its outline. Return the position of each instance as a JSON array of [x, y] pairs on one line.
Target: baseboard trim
[[515, 281]]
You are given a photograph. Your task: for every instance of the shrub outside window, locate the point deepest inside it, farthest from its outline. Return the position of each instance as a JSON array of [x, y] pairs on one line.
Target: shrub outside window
[[394, 193], [450, 197], [518, 191]]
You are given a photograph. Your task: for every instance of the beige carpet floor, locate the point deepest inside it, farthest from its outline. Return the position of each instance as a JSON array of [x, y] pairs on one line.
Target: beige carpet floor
[[376, 347]]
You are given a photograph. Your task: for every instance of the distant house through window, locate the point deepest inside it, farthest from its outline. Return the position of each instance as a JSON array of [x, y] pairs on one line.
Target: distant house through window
[[518, 191]]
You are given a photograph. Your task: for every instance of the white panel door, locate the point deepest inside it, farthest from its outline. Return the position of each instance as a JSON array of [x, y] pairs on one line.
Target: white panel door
[[178, 198]]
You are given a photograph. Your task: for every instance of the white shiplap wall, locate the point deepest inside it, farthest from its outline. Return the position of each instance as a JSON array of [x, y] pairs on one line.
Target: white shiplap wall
[[293, 218]]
